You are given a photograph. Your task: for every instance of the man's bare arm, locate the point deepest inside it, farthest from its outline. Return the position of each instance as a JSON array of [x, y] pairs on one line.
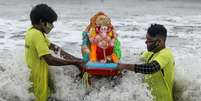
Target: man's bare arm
[[51, 60]]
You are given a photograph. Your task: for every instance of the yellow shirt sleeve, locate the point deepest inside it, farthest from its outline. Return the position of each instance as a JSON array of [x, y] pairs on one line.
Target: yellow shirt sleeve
[[162, 59], [41, 44]]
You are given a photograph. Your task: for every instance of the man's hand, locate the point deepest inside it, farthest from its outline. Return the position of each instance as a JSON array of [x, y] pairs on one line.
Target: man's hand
[[121, 67], [125, 66], [79, 63]]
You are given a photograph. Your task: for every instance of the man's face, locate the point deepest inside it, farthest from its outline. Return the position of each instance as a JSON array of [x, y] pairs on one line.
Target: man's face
[[48, 27], [151, 42]]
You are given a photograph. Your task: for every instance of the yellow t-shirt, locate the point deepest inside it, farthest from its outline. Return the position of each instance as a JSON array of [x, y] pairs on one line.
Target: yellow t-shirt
[[161, 82], [36, 46]]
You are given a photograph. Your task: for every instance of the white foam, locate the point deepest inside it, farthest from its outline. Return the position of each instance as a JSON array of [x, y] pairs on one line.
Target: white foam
[[14, 77]]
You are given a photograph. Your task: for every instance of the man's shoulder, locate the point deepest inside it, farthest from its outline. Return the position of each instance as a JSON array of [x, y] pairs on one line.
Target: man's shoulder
[[167, 52], [33, 31]]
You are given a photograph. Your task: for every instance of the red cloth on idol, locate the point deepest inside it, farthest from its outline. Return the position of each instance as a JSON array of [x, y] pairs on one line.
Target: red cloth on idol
[[100, 52]]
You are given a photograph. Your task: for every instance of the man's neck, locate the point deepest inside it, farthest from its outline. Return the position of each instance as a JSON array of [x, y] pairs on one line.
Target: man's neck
[[159, 49], [38, 27]]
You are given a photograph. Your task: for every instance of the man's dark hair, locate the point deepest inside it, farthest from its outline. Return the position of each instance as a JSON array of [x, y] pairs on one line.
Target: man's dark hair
[[157, 30], [44, 13]]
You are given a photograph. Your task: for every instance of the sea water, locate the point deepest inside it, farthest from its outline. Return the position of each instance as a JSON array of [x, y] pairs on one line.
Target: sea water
[[131, 18]]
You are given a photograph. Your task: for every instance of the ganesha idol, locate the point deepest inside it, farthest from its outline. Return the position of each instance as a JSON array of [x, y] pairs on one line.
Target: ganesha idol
[[100, 43]]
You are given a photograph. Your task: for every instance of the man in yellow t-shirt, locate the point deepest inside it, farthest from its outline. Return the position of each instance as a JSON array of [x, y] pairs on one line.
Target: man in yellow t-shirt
[[37, 51], [159, 64]]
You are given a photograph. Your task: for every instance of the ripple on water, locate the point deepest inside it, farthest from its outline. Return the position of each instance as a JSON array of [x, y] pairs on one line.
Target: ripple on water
[[1, 43], [2, 33], [17, 37]]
